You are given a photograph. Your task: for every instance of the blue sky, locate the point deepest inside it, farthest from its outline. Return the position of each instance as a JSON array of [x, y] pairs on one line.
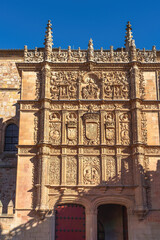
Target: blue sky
[[75, 22]]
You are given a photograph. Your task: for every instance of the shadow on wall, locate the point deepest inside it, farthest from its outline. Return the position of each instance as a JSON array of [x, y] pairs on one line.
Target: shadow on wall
[[33, 229], [36, 227]]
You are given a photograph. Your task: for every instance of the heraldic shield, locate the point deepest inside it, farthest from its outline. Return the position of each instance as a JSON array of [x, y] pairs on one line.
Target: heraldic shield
[[91, 130], [71, 132]]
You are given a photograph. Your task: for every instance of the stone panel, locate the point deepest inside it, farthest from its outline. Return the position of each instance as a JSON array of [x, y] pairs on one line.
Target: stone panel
[[152, 128]]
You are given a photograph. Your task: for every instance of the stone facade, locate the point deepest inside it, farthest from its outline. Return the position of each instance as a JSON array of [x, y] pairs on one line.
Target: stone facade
[[88, 134]]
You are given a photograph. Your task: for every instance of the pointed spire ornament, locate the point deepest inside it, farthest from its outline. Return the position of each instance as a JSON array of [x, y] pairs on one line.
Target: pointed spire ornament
[[90, 51], [128, 40], [48, 41], [133, 51]]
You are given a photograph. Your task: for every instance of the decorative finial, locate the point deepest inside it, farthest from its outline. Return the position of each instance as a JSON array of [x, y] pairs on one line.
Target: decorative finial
[[133, 51], [90, 50], [128, 36], [48, 41]]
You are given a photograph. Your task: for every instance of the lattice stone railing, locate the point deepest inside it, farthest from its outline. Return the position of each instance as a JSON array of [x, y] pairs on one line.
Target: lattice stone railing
[[80, 56]]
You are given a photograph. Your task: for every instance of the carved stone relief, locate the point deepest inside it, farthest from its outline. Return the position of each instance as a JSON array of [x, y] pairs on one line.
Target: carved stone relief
[[54, 170], [110, 128], [110, 169], [141, 85], [116, 85], [71, 128], [63, 85], [36, 129], [90, 87], [144, 127], [124, 120], [91, 170], [55, 128], [71, 170], [91, 129]]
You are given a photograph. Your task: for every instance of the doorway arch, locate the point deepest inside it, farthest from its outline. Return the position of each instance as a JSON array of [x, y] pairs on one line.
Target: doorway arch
[[112, 222]]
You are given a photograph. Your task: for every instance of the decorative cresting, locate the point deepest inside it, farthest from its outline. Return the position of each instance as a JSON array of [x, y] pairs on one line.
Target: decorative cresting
[[56, 55]]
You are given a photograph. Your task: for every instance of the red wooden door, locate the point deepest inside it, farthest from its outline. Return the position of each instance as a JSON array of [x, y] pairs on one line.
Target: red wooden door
[[70, 222]]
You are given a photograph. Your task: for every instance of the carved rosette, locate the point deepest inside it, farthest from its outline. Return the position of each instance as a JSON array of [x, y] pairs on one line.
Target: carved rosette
[[63, 85], [124, 120], [91, 170], [71, 170], [71, 128], [54, 171], [91, 129], [110, 169], [116, 85], [110, 128], [55, 128]]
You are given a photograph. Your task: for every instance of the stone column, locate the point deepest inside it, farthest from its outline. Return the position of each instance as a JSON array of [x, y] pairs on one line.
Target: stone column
[[91, 224], [137, 144], [43, 145]]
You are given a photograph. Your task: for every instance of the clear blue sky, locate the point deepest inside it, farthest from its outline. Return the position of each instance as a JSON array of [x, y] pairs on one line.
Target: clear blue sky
[[75, 22]]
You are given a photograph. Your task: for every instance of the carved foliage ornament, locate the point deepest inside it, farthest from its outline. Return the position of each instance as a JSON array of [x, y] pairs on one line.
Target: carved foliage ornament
[[54, 171], [116, 85], [71, 170], [63, 85]]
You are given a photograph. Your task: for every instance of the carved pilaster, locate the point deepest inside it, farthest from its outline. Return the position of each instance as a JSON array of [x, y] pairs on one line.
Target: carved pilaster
[[103, 168], [139, 175], [63, 170], [80, 170], [119, 167], [44, 152], [135, 82]]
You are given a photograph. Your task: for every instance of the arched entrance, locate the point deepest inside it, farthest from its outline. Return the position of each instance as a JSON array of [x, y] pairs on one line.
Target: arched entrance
[[70, 222], [112, 222]]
